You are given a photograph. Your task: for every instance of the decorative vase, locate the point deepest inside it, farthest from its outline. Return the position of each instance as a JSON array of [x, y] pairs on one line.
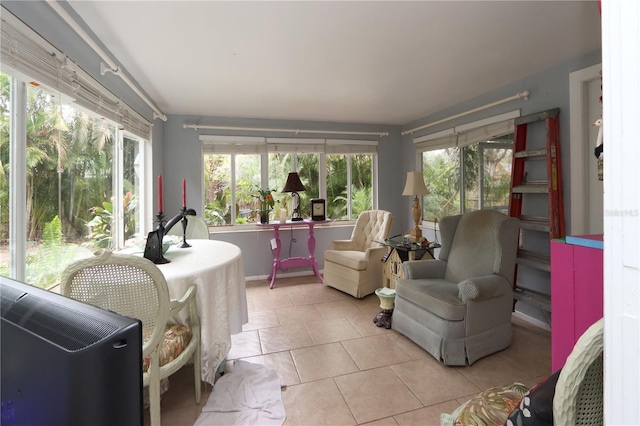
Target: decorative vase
[[264, 217], [264, 212]]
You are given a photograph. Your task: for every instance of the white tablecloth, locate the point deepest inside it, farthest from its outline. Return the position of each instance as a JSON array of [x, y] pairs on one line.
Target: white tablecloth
[[217, 271]]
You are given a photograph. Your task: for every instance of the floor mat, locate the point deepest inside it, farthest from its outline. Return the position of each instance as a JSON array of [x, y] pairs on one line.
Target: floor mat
[[249, 395]]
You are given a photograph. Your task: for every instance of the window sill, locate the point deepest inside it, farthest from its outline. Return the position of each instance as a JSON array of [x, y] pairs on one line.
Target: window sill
[[234, 229]]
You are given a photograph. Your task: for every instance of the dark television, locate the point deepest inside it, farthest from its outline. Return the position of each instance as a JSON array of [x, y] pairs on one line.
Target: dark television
[[65, 362]]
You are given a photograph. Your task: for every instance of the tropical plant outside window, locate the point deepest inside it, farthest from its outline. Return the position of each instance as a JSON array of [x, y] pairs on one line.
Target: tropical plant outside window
[[340, 192], [465, 179], [69, 185]]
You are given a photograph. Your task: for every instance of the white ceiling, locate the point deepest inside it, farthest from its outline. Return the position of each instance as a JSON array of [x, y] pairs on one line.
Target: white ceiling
[[384, 62]]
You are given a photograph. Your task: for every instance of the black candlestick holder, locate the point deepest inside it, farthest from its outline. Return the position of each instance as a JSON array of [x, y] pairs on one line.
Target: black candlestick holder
[[153, 248], [185, 221]]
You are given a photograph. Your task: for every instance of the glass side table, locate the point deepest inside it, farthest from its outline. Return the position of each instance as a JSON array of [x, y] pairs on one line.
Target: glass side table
[[400, 251]]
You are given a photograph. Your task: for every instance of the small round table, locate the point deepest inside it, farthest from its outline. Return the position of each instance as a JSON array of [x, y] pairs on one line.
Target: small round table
[[387, 297]]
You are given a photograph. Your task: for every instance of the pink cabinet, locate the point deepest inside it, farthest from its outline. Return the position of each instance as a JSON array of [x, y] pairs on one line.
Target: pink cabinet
[[576, 292]]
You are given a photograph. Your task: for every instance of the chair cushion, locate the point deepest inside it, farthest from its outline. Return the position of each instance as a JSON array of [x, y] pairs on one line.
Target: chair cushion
[[490, 407], [437, 296], [350, 259], [176, 339], [536, 407]]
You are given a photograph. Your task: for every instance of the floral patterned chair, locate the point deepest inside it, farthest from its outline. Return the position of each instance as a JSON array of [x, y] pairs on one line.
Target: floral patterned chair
[[135, 287]]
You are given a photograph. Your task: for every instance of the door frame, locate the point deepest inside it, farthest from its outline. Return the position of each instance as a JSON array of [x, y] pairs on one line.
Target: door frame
[[580, 155]]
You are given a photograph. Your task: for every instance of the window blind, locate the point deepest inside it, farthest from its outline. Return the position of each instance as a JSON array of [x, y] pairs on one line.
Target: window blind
[[468, 134], [28, 56], [258, 145]]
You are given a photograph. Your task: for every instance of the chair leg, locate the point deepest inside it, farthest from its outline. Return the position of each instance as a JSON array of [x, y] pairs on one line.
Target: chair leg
[[197, 372], [154, 400]]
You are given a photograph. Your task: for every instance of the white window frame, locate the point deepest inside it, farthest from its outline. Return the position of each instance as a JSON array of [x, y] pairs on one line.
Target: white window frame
[[462, 136], [232, 145]]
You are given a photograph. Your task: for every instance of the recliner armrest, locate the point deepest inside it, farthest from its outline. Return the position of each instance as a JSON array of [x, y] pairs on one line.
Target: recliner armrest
[[374, 253], [482, 287], [432, 268], [342, 245]]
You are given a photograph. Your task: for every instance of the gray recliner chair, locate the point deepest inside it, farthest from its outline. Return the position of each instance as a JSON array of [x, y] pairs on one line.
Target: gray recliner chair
[[458, 307]]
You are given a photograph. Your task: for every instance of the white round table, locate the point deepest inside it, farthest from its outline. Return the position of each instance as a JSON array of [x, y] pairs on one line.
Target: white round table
[[217, 271]]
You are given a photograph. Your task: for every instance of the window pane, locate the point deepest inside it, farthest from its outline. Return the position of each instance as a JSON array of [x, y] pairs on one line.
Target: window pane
[[471, 192], [361, 187], [441, 172], [5, 125], [308, 170], [217, 193], [496, 178], [69, 185], [279, 168], [131, 186], [337, 187], [247, 184]]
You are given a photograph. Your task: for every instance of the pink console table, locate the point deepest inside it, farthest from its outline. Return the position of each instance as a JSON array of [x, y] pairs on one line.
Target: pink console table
[[293, 262], [576, 292]]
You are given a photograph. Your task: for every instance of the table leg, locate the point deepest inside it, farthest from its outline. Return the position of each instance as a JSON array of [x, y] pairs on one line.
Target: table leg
[[312, 248], [276, 256]]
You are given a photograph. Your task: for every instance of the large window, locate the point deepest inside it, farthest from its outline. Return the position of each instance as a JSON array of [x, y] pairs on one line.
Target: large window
[[71, 167], [464, 179], [468, 167], [344, 180]]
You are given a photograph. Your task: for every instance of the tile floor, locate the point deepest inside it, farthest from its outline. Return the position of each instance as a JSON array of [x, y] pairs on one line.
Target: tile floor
[[340, 369]]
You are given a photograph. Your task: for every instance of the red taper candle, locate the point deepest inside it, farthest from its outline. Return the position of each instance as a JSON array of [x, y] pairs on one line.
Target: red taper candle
[[160, 194], [184, 193]]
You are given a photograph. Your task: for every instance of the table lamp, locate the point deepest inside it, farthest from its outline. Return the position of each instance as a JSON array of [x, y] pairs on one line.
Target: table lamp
[[415, 186], [294, 185]]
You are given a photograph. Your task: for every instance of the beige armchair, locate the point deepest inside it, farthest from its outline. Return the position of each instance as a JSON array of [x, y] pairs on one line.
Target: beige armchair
[[354, 265], [458, 307]]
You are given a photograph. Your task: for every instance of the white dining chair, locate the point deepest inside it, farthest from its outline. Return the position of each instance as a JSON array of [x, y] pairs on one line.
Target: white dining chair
[[135, 287]]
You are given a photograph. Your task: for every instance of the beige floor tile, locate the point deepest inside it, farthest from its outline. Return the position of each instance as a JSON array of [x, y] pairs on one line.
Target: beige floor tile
[[363, 322], [418, 376], [185, 416], [245, 344], [492, 371], [270, 301], [295, 314], [316, 403], [282, 363], [369, 305], [413, 350], [433, 382], [388, 421], [321, 362], [427, 415], [308, 294], [375, 351], [376, 394], [261, 319], [284, 338], [331, 330], [341, 308], [530, 349]]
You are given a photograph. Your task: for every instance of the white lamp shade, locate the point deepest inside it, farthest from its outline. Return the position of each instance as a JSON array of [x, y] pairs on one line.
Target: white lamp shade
[[415, 184]]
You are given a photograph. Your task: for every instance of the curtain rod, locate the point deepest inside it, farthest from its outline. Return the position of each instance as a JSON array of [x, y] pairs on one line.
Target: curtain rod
[[110, 65], [296, 131], [520, 95]]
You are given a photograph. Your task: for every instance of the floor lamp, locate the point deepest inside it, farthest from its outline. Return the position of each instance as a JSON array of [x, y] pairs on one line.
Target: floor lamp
[[415, 186]]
